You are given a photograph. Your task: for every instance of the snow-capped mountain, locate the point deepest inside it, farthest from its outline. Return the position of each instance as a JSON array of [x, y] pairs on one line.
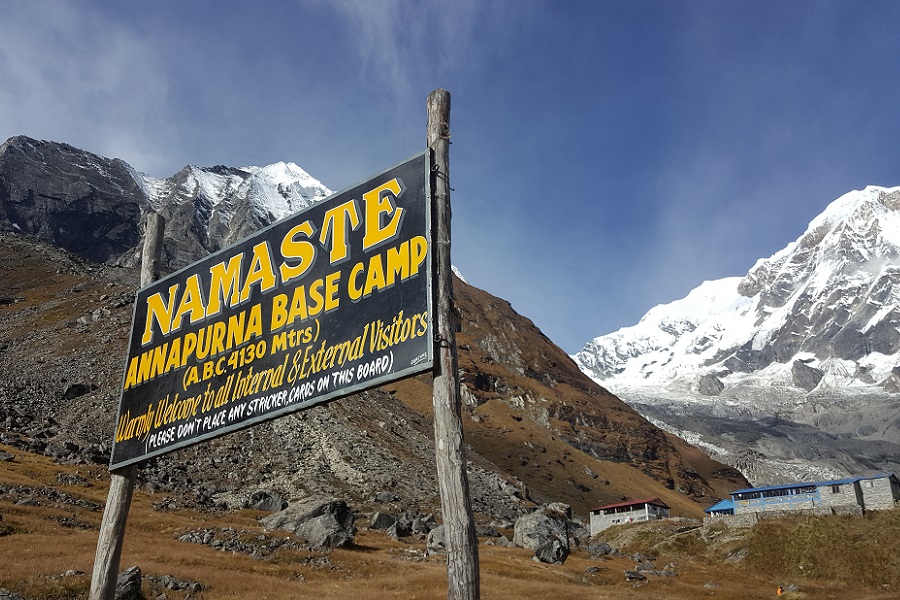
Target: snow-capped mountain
[[218, 206], [810, 336], [92, 205]]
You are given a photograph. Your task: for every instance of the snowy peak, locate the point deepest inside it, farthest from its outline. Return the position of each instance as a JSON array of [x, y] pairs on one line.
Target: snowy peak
[[673, 339], [217, 206], [857, 235], [284, 188], [833, 294], [276, 190], [286, 174]]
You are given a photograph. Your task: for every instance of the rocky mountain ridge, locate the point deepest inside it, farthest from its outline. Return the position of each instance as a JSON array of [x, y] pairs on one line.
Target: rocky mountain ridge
[[790, 371], [538, 430], [94, 206]]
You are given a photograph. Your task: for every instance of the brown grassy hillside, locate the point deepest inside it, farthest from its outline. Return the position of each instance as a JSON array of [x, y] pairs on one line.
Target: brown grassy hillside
[[49, 515]]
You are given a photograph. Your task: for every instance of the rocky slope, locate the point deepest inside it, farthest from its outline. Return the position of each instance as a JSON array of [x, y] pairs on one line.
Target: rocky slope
[[538, 429], [789, 372]]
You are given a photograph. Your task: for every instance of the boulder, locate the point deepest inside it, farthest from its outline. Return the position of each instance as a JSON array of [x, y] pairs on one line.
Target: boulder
[[266, 501], [318, 521], [382, 520], [546, 531], [437, 541], [128, 584], [599, 549]]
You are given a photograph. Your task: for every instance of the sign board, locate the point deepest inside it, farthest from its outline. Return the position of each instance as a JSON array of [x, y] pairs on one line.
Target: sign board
[[328, 302]]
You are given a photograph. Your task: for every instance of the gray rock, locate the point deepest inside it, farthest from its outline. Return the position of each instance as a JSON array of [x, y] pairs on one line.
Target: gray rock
[[806, 377], [437, 541], [75, 390], [382, 520], [169, 582], [266, 501], [710, 385], [128, 584], [552, 551], [386, 497], [599, 549], [546, 531], [420, 524], [6, 594], [318, 521]]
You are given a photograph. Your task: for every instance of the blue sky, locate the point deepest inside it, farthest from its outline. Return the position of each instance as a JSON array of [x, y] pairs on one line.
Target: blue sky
[[606, 156]]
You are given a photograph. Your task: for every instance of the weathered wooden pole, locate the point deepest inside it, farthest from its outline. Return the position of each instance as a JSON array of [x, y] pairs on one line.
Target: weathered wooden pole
[[121, 485], [450, 456]]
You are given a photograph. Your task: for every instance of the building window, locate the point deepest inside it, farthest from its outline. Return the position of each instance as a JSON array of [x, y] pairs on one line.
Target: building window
[[870, 483], [836, 489]]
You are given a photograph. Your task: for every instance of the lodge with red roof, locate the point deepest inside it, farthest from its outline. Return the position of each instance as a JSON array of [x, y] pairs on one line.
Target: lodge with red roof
[[647, 509]]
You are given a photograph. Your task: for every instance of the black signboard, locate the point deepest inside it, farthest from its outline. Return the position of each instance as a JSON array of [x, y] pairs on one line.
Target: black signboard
[[330, 301]]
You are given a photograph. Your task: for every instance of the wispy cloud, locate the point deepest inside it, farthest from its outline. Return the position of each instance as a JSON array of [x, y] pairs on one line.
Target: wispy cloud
[[70, 74], [400, 40]]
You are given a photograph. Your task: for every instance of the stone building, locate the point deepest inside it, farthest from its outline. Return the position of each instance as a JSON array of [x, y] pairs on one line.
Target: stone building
[[648, 509], [853, 495]]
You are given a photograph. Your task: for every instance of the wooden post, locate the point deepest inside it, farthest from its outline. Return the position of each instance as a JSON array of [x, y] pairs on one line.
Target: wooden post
[[121, 485], [450, 457]]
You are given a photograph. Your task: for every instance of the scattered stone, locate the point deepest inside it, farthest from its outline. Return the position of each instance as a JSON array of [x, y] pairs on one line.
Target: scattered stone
[[634, 576], [72, 479], [171, 583], [637, 557], [239, 541], [6, 594]]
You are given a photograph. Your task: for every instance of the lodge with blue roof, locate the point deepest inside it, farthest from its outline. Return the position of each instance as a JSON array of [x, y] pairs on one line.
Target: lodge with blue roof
[[853, 495]]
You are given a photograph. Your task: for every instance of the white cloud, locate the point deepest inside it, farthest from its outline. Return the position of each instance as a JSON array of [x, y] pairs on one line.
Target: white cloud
[[72, 75], [403, 39]]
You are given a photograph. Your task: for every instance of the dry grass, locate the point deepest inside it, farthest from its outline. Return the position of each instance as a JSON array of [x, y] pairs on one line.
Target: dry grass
[[41, 542], [850, 550]]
